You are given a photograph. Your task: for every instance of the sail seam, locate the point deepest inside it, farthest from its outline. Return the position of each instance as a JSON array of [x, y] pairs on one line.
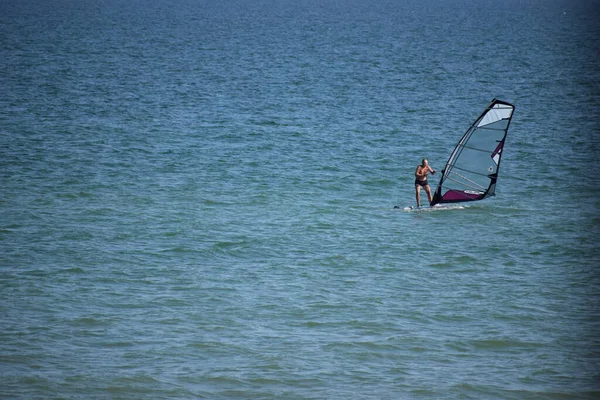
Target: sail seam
[[476, 185], [469, 171], [490, 129], [476, 149]]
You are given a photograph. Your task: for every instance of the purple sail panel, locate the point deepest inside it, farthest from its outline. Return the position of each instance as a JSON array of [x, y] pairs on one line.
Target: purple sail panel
[[457, 195], [498, 149]]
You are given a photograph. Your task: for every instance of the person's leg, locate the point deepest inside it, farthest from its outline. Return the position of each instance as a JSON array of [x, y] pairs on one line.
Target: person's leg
[[428, 190], [418, 191]]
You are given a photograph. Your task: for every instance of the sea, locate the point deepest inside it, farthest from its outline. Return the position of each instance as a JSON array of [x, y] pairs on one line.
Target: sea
[[205, 199]]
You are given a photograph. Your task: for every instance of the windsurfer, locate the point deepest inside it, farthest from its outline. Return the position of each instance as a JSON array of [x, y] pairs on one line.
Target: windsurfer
[[421, 180]]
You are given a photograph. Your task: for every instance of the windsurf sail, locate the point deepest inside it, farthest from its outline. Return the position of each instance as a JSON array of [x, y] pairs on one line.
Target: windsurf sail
[[472, 169]]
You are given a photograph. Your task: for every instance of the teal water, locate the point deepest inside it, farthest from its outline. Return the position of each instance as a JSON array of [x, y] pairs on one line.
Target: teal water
[[197, 201]]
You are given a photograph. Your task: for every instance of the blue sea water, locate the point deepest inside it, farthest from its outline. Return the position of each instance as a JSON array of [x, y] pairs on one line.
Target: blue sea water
[[197, 200]]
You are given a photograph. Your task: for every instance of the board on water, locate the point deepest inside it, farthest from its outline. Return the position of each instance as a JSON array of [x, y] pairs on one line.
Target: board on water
[[438, 207], [472, 169]]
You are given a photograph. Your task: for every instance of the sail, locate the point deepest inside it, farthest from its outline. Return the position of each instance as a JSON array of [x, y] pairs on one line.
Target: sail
[[472, 169]]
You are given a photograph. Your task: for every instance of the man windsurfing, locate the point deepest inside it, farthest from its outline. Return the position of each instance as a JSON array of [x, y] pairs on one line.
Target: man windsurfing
[[421, 180]]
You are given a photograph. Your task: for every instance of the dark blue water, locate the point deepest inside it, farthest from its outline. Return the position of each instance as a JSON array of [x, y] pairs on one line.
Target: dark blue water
[[197, 200]]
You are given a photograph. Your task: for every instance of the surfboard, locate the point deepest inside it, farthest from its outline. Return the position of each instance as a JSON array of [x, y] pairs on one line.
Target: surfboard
[[437, 207]]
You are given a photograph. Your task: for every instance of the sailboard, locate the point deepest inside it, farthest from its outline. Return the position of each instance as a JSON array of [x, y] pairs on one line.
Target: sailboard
[[472, 169], [438, 207]]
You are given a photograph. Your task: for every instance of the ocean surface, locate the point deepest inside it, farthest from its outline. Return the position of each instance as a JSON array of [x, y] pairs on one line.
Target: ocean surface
[[197, 200]]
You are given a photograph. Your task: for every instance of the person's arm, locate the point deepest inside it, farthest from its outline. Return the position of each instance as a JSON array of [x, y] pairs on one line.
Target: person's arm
[[417, 175], [431, 170]]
